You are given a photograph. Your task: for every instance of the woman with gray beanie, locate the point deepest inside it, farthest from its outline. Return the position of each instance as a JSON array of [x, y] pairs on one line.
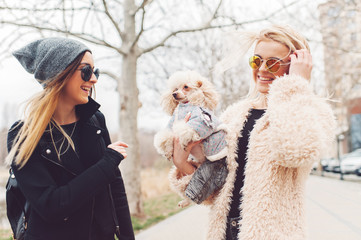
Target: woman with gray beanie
[[61, 154]]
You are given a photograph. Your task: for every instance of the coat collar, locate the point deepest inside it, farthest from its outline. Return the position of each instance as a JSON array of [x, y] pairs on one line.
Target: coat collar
[[85, 111]]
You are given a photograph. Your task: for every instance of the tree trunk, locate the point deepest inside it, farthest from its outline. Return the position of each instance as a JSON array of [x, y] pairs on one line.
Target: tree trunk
[[128, 133], [128, 113]]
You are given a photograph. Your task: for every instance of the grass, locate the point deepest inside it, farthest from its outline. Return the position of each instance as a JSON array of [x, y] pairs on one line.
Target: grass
[[157, 209], [159, 202], [5, 234]]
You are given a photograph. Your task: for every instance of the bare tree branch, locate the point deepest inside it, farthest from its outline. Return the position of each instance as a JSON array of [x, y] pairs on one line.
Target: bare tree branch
[[214, 16], [110, 74], [107, 57], [141, 29], [121, 34], [119, 2], [83, 36], [48, 9], [86, 17], [208, 26], [72, 14], [101, 23], [64, 17], [9, 40], [145, 2], [161, 44]]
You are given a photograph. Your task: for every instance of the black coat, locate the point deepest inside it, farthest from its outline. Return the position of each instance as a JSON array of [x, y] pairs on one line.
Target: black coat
[[63, 203]]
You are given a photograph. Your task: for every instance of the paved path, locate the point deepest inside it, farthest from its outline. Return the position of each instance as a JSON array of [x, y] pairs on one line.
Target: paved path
[[191, 223], [333, 213], [333, 209]]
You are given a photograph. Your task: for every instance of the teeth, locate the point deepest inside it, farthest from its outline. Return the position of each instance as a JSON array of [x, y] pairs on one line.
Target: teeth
[[265, 79], [86, 88]]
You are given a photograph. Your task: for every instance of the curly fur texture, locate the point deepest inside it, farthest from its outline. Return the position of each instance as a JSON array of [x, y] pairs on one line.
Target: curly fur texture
[[203, 94], [185, 133], [163, 143]]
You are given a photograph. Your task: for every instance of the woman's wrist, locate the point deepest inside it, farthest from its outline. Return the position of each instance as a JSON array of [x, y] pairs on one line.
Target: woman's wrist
[[183, 165], [187, 169]]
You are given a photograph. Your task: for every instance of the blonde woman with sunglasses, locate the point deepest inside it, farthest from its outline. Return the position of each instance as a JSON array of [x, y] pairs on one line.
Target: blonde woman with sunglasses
[[275, 135], [61, 154]]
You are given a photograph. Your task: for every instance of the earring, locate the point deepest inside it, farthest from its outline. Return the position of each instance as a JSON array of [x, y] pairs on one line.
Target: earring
[[91, 92]]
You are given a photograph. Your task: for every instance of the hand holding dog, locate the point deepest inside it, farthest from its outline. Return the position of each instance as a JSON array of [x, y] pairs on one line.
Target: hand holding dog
[[180, 155]]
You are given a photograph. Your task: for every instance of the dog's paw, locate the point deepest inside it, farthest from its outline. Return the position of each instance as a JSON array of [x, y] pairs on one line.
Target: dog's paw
[[168, 156], [184, 146], [184, 203], [184, 141]]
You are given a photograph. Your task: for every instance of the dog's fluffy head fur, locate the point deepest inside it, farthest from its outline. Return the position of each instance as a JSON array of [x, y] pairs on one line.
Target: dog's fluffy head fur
[[189, 86]]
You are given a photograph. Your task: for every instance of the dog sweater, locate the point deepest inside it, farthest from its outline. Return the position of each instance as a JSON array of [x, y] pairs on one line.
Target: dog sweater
[[207, 125]]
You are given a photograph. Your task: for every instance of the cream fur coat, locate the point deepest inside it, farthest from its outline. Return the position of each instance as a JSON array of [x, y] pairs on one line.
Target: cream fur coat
[[285, 142]]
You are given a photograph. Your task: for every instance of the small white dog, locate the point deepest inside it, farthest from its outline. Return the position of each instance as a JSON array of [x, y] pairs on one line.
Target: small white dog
[[189, 92]]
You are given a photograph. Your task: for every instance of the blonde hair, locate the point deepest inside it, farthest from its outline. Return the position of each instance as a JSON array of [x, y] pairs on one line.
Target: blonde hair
[[38, 115], [242, 42]]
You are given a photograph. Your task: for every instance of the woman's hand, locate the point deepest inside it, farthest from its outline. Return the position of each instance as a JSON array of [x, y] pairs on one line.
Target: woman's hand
[[119, 147], [180, 155], [301, 63]]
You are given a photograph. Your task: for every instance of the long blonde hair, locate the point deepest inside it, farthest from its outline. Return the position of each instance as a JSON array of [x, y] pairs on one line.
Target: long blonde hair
[[38, 114], [243, 41]]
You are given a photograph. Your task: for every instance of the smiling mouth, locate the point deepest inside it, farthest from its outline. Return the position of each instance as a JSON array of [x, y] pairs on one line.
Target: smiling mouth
[[263, 79], [87, 89]]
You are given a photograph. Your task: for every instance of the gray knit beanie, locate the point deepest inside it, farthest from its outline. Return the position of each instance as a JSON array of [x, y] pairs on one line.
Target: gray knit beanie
[[46, 58]]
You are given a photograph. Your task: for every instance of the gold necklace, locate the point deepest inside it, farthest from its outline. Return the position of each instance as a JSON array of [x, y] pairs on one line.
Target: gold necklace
[[58, 152]]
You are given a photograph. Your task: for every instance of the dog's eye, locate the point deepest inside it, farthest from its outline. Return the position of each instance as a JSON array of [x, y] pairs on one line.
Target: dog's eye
[[185, 87]]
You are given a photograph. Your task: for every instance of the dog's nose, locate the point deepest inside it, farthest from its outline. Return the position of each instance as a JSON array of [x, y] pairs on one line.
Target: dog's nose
[[174, 95]]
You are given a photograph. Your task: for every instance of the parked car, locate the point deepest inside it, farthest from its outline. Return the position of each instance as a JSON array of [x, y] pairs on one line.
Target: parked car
[[351, 162], [336, 169], [358, 172], [332, 165], [324, 163]]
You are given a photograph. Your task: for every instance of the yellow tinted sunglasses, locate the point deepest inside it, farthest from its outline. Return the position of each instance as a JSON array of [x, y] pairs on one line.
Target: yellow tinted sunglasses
[[272, 64]]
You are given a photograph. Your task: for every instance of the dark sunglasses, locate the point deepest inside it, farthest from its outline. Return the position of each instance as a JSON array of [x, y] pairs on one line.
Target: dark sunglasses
[[272, 64], [87, 72]]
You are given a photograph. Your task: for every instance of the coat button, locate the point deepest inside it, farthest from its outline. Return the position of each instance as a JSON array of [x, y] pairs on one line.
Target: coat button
[[99, 131], [234, 223], [48, 151]]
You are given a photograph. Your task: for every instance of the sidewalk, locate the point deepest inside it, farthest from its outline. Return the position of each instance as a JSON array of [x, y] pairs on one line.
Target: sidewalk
[[333, 209], [191, 223]]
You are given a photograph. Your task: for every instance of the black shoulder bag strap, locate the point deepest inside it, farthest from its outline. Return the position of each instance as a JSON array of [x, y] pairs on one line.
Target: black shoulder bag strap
[[95, 120], [18, 209]]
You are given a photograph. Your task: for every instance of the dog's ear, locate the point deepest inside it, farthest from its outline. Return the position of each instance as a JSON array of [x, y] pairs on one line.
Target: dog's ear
[[169, 103], [211, 97]]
